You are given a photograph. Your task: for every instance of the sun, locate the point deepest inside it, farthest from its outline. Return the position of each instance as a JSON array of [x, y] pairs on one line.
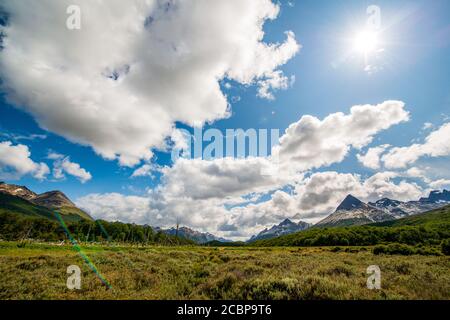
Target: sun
[[365, 42]]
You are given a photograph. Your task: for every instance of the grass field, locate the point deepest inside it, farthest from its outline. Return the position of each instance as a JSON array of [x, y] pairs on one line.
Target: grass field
[[38, 271]]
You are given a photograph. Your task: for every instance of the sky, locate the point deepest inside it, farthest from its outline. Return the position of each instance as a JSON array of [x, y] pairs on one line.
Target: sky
[[95, 98]]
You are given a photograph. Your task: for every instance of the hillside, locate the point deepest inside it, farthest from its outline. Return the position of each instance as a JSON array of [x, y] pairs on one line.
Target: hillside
[[17, 205], [427, 228], [20, 200]]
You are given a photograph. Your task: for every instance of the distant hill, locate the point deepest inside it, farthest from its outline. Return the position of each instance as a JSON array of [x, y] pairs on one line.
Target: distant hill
[[196, 236], [21, 200], [285, 227]]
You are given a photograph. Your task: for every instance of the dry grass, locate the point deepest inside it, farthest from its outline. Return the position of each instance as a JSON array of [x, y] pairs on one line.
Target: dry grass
[[39, 272]]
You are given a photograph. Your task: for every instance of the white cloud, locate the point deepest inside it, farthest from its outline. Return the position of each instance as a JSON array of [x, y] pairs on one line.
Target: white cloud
[[145, 170], [212, 195], [219, 178], [440, 184], [381, 185], [311, 199], [18, 137], [117, 207], [276, 81], [437, 144], [15, 162], [135, 68], [427, 125], [62, 165], [313, 143], [372, 157]]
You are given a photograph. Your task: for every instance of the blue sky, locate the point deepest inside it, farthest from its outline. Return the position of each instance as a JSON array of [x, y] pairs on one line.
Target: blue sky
[[413, 67]]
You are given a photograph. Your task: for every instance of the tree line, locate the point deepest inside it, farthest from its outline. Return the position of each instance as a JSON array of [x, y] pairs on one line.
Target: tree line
[[15, 227]]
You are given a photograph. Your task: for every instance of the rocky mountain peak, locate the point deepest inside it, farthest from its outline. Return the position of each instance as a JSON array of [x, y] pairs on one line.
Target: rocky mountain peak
[[386, 202], [350, 203], [437, 196], [53, 199], [286, 222], [16, 190]]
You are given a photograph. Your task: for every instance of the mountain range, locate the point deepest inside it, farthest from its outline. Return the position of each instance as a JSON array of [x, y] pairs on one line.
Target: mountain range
[[197, 236], [285, 227], [351, 211]]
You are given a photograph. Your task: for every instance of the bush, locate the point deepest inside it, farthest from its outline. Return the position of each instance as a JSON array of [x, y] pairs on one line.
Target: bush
[[405, 250], [445, 247], [394, 248]]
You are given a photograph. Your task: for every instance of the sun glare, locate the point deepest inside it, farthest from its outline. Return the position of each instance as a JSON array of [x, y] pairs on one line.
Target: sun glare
[[365, 42]]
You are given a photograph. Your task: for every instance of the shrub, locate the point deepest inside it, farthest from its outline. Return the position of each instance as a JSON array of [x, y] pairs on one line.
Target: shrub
[[445, 247], [394, 248]]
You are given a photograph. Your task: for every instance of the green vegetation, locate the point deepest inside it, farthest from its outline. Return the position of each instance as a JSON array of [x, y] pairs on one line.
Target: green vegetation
[[445, 247], [19, 227], [141, 263], [38, 271], [428, 229], [12, 204], [403, 249]]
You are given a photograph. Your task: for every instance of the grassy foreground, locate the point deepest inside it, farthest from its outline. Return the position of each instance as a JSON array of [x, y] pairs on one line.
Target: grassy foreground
[[38, 271]]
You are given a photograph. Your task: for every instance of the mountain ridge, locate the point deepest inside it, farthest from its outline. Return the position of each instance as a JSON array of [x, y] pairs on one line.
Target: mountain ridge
[[194, 235], [50, 200], [352, 211], [284, 227]]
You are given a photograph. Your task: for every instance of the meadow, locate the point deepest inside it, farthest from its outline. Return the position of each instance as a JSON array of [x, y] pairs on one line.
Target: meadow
[[38, 271]]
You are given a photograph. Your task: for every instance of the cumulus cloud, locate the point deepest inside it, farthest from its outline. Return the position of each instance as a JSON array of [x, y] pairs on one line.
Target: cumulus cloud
[[440, 184], [117, 207], [312, 143], [310, 199], [62, 165], [222, 195], [135, 68], [219, 178], [276, 81], [145, 170], [372, 157], [15, 162], [437, 144]]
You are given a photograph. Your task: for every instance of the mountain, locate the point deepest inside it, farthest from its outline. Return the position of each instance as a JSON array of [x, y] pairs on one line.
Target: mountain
[[198, 237], [423, 228], [350, 203], [400, 209], [285, 227], [353, 211], [437, 197], [20, 206], [19, 191], [21, 200]]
